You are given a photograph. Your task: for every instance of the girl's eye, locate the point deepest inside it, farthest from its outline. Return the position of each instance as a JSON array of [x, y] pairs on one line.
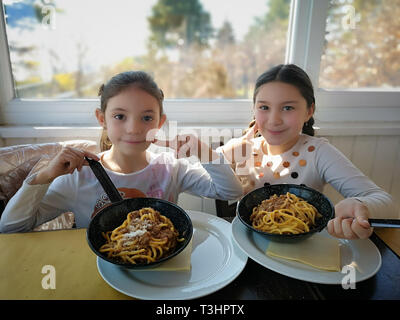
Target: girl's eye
[[119, 117], [263, 107], [288, 108], [147, 118]]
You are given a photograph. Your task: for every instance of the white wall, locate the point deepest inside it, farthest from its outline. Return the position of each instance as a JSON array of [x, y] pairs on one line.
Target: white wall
[[378, 157]]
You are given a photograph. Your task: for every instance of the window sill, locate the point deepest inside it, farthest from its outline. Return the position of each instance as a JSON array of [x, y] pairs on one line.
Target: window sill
[[322, 129], [48, 132]]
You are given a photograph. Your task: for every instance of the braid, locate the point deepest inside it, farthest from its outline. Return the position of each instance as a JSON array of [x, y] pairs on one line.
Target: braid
[[308, 127], [105, 143]]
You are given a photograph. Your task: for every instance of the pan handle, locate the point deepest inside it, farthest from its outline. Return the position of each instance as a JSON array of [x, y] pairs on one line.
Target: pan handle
[[104, 179], [385, 223]]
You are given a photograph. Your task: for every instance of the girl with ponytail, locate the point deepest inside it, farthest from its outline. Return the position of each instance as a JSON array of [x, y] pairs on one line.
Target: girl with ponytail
[[131, 113], [279, 147]]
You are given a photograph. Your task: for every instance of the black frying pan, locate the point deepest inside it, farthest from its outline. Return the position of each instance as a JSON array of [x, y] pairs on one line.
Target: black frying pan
[[114, 215], [324, 206]]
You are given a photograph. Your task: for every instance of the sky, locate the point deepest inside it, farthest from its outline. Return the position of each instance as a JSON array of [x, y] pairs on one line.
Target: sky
[[92, 24]]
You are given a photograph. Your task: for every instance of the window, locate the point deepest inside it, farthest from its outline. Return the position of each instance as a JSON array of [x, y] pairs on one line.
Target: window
[[195, 49], [206, 58], [362, 45]]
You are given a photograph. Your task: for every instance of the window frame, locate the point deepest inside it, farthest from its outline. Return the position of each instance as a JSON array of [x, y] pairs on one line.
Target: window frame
[[305, 38], [334, 106]]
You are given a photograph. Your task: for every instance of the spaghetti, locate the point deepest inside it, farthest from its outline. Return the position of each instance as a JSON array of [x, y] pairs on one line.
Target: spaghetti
[[144, 237], [284, 214]]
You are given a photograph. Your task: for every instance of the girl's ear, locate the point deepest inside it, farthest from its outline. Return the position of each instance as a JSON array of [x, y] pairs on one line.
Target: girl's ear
[[162, 120], [100, 117]]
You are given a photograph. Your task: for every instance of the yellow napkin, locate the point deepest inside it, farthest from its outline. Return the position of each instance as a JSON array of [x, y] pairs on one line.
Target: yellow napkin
[[181, 262], [317, 251], [24, 256]]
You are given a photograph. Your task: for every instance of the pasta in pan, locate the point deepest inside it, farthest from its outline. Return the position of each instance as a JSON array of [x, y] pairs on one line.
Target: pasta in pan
[[284, 214], [144, 237]]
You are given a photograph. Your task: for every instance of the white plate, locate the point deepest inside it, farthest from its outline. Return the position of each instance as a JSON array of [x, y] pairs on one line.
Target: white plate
[[216, 262], [363, 255]]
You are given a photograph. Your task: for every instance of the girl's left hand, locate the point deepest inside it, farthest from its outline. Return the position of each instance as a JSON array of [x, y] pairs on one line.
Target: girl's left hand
[[351, 220]]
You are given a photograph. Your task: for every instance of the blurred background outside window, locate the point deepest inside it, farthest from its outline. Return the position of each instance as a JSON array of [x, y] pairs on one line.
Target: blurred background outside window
[[195, 49], [210, 49], [362, 45]]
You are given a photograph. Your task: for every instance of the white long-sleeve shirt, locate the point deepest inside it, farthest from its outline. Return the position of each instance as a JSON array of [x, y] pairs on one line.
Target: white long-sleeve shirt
[[80, 192], [314, 162]]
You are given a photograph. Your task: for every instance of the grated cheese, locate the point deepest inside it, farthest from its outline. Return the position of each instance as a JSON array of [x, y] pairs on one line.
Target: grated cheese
[[135, 233], [137, 228]]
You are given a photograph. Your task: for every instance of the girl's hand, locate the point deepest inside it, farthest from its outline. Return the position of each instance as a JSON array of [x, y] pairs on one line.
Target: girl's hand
[[351, 220], [66, 161], [240, 150], [187, 145]]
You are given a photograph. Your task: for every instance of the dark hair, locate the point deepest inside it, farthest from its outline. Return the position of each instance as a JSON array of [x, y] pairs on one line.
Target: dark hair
[[294, 75], [120, 82]]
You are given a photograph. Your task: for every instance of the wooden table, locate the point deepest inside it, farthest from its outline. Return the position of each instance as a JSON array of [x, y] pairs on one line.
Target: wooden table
[[31, 262], [24, 256]]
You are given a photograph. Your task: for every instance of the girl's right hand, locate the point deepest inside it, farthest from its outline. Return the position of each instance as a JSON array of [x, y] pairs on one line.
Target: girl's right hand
[[240, 150], [66, 161], [351, 220]]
